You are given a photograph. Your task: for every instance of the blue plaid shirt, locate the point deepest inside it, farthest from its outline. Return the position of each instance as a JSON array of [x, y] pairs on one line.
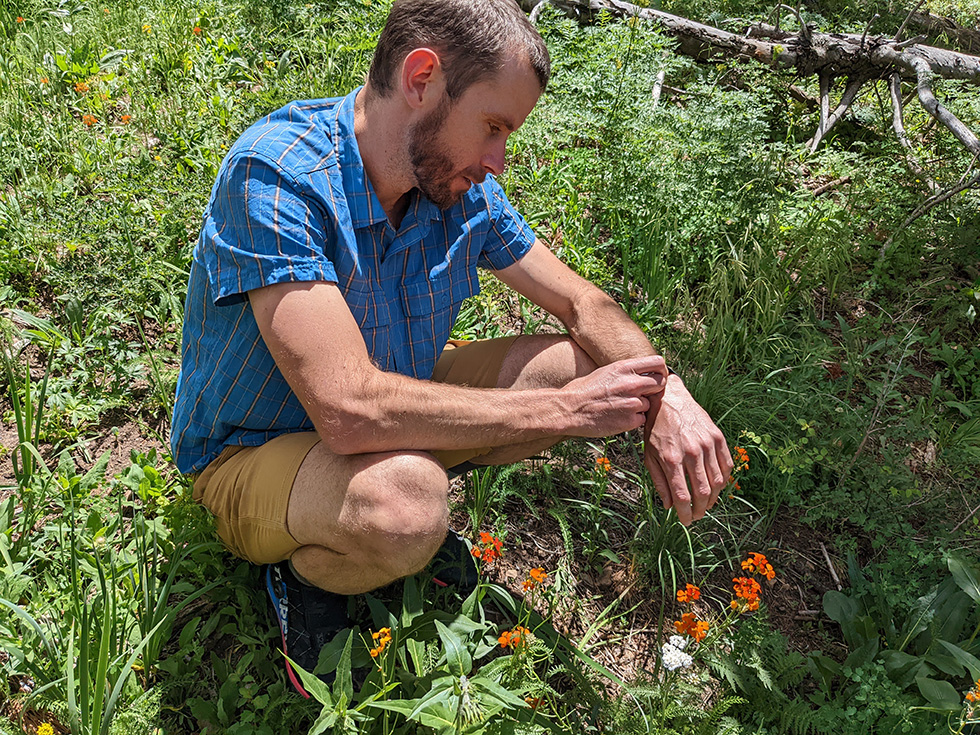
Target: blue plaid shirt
[[292, 202]]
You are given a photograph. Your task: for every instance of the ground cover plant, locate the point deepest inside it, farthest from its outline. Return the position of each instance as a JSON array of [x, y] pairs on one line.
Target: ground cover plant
[[836, 587]]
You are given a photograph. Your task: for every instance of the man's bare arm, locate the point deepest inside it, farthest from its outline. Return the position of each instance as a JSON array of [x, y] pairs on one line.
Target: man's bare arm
[[686, 454], [357, 408]]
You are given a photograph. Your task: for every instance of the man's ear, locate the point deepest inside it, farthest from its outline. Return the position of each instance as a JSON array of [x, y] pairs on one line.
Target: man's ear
[[422, 82]]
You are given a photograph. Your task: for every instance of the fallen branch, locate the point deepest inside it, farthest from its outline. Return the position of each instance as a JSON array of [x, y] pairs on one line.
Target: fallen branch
[[830, 566], [831, 185]]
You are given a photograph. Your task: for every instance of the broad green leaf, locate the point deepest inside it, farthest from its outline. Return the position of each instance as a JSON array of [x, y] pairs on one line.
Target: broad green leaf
[[497, 692], [457, 657], [940, 694], [971, 662], [839, 607], [966, 576], [946, 664], [317, 689]]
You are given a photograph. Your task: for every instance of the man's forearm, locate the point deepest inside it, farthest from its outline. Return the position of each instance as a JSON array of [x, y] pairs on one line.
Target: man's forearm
[[601, 328], [388, 411]]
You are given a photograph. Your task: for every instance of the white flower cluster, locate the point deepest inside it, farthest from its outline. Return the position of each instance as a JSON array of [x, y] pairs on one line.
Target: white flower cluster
[[673, 654]]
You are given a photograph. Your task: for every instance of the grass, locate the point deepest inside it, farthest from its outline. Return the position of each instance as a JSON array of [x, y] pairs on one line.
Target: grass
[[853, 385]]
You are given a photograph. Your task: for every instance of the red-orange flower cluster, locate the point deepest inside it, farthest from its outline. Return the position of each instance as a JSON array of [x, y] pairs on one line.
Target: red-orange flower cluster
[[741, 459], [746, 594], [196, 30], [381, 639], [513, 638], [125, 119], [603, 465], [689, 594], [689, 625], [758, 564], [490, 549], [89, 120], [81, 87], [973, 696], [533, 702], [20, 19], [535, 577]]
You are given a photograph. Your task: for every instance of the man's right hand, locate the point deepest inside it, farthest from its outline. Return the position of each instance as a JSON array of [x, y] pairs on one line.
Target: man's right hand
[[613, 398]]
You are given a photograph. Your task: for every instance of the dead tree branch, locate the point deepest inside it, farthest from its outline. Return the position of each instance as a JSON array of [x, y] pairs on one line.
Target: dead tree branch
[[859, 58]]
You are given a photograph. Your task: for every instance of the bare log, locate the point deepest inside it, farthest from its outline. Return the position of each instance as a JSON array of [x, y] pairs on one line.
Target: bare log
[[966, 39], [858, 57]]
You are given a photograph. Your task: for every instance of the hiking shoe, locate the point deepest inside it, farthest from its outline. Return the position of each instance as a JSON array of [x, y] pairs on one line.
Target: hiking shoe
[[308, 618], [453, 565]]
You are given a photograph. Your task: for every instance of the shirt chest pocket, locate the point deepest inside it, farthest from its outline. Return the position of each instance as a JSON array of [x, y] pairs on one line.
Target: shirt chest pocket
[[371, 311], [431, 307]]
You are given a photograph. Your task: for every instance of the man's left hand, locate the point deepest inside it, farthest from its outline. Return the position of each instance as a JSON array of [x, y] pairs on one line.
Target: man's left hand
[[686, 454]]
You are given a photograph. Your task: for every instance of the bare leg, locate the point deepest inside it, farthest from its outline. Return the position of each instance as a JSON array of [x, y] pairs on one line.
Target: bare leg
[[537, 361], [366, 520]]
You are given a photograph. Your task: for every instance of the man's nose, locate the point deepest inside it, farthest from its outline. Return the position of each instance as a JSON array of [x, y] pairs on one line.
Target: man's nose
[[494, 159]]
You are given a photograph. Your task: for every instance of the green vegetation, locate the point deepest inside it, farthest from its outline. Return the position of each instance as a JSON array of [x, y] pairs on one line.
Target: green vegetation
[[851, 381]]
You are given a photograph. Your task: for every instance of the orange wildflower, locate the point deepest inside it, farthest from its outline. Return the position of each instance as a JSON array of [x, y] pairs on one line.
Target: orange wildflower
[[689, 594], [43, 80], [381, 639], [89, 120], [741, 458], [196, 31], [758, 564], [689, 625], [535, 577], [533, 702], [20, 19], [81, 87], [603, 464], [513, 638], [492, 548], [746, 594], [125, 119]]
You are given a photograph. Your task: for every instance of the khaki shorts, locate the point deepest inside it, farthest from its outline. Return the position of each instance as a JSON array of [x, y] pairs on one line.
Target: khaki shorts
[[247, 488]]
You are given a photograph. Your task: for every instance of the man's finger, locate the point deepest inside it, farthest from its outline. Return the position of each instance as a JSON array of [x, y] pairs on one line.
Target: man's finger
[[659, 480], [700, 488], [645, 365], [678, 491], [716, 477]]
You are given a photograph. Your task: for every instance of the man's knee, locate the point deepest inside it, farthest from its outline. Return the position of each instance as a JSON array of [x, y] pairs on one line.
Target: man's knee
[[407, 515]]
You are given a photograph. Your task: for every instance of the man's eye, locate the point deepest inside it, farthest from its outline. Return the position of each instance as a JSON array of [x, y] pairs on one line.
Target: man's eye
[[494, 129]]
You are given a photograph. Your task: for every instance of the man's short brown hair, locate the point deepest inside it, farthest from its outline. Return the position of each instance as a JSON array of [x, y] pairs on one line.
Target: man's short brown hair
[[472, 37]]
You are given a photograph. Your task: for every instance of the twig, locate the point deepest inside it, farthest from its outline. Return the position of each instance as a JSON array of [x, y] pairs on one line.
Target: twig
[[968, 517], [909, 42], [830, 566], [831, 185], [898, 35], [867, 28], [929, 204]]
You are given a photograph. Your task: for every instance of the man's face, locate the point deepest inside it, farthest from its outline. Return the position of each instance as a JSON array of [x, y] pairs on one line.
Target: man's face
[[457, 145]]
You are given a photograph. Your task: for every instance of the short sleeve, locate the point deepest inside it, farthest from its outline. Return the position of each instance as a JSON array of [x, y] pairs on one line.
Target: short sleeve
[[261, 230], [510, 237]]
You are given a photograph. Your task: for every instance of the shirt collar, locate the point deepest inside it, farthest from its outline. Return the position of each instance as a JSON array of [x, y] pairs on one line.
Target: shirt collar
[[365, 209]]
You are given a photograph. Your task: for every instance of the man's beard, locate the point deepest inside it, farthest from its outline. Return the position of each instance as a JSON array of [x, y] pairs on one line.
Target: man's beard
[[433, 169]]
